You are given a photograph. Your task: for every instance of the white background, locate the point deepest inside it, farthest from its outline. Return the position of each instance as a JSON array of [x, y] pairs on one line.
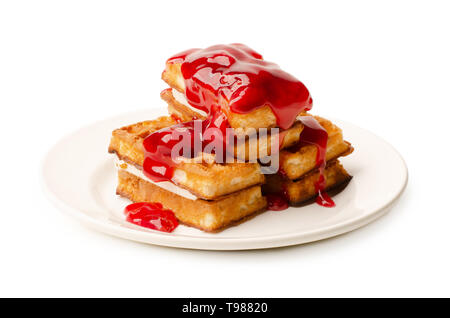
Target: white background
[[384, 66]]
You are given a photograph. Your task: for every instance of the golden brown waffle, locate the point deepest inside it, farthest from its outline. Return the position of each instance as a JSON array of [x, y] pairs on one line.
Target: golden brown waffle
[[210, 216], [178, 110], [295, 164], [303, 189], [206, 180]]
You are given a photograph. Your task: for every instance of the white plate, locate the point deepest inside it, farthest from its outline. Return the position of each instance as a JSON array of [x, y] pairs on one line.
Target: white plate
[[80, 178]]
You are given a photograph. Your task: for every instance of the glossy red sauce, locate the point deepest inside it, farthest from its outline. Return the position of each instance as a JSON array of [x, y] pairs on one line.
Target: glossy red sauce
[[232, 74], [237, 76], [314, 134], [176, 118], [277, 201], [151, 215]]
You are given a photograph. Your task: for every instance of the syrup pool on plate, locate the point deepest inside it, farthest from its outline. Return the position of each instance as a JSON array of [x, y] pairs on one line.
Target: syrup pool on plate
[[152, 216]]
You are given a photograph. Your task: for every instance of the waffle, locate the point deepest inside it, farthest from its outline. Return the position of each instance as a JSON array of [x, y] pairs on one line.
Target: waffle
[[209, 216], [180, 111], [303, 189], [262, 117], [299, 171], [205, 180], [294, 164]]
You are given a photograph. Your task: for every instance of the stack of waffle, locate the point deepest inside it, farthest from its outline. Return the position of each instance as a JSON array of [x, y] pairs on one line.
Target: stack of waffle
[[205, 195], [212, 196]]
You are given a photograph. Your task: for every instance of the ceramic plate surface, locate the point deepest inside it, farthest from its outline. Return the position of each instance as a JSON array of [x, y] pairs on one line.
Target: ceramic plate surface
[[80, 178]]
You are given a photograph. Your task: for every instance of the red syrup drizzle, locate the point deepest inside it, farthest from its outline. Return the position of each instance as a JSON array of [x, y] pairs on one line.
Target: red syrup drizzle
[[314, 134], [151, 215], [278, 201], [176, 118], [223, 74], [189, 138]]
